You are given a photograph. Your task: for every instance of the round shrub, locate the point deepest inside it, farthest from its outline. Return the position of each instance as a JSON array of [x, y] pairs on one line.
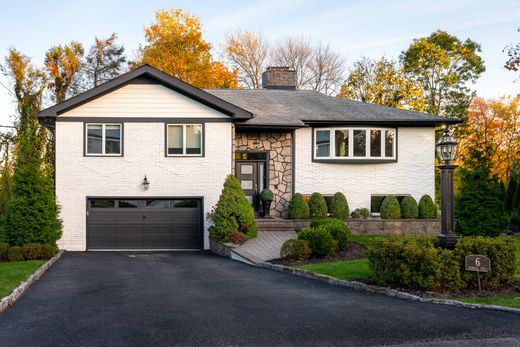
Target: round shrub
[[409, 208], [32, 251], [320, 241], [15, 253], [337, 229], [4, 248], [295, 249], [339, 206], [427, 208], [359, 213], [317, 206], [267, 195], [390, 208], [298, 208], [48, 251]]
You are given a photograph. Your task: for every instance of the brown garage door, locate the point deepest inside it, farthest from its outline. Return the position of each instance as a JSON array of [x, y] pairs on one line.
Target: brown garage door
[[144, 223]]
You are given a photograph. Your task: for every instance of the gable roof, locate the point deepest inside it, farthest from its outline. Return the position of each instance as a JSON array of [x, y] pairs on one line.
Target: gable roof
[[142, 73], [297, 108]]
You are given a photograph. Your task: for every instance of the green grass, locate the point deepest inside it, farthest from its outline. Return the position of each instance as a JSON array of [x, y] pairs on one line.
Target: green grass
[[345, 270], [12, 273], [510, 301]]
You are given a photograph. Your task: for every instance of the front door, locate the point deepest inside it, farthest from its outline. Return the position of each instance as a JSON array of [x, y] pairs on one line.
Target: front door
[[251, 175]]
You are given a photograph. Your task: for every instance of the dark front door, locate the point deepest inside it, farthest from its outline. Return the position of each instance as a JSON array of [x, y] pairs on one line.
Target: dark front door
[[252, 177]]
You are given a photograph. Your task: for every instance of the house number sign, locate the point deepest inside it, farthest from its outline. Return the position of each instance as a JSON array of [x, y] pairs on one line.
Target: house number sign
[[478, 263]]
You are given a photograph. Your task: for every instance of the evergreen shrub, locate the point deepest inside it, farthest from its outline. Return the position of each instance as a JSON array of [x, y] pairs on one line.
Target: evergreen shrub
[[317, 206], [339, 206], [390, 208], [298, 208]]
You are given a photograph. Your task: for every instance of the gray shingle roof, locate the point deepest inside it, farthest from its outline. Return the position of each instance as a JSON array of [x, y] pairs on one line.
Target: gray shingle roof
[[296, 108]]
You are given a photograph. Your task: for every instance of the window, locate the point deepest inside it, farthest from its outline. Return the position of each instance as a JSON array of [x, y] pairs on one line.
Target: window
[[158, 203], [102, 203], [104, 139], [354, 143], [184, 139], [129, 203]]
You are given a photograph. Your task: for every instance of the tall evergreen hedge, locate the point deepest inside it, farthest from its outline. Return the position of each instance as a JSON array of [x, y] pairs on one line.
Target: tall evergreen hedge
[[317, 206], [427, 208], [339, 206], [409, 208], [390, 208], [298, 208]]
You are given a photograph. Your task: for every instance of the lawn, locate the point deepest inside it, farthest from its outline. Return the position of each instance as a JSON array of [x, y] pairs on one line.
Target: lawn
[[12, 273]]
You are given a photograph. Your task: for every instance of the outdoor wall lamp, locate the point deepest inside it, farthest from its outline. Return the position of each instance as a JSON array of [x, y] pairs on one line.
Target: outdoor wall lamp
[[145, 183], [446, 149]]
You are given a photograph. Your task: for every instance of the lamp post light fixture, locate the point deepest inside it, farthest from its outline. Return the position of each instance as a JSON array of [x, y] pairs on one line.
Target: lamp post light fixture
[[446, 149], [145, 183]]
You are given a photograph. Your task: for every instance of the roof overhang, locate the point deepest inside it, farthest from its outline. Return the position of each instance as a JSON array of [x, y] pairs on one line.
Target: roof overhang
[[400, 123]]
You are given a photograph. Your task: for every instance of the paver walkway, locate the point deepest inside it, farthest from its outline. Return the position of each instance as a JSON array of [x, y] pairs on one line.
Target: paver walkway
[[265, 246]]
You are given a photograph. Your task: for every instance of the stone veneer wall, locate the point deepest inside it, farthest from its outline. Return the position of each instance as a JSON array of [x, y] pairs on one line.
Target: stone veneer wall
[[280, 161]]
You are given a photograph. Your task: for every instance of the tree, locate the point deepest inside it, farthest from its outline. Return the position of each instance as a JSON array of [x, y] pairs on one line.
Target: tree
[[63, 64], [326, 68], [513, 53], [175, 46], [248, 53], [6, 184], [104, 61], [294, 52], [443, 65], [382, 82]]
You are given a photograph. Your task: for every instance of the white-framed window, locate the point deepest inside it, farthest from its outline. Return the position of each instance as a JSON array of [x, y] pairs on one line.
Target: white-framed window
[[103, 139], [345, 143], [184, 140]]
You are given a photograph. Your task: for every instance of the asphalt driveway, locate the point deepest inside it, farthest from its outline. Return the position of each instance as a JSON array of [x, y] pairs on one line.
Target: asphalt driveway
[[102, 298]]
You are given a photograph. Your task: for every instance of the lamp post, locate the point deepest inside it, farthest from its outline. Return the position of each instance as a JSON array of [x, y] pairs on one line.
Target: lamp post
[[446, 149]]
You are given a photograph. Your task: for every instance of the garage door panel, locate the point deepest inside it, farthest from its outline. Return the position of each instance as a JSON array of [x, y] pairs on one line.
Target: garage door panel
[[102, 242], [158, 217], [129, 229], [158, 229], [133, 217], [102, 217], [102, 229], [186, 217]]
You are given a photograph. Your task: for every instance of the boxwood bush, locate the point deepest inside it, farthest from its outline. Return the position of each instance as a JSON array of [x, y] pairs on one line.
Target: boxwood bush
[[360, 213], [48, 251], [337, 229], [32, 251], [15, 253], [295, 249], [298, 208], [317, 206], [390, 208], [427, 208], [4, 247], [409, 208], [339, 206], [320, 241]]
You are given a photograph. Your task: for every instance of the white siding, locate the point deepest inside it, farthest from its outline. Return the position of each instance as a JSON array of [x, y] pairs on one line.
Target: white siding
[[144, 100], [412, 174], [78, 177]]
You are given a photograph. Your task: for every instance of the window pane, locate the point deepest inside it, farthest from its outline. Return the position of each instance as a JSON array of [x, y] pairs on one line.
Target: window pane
[[194, 139], [185, 203], [341, 143], [375, 143], [174, 139], [322, 143], [94, 138], [100, 203], [158, 203], [246, 169], [247, 184], [113, 139], [360, 143], [389, 143], [129, 203]]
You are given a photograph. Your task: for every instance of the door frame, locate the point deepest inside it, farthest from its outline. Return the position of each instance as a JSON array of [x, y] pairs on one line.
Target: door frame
[[266, 166], [133, 197]]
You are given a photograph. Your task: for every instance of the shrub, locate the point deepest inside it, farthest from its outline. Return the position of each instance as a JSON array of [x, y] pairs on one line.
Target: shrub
[[320, 241], [339, 206], [359, 213], [337, 229], [500, 251], [48, 251], [295, 249], [427, 208], [267, 195], [32, 251], [409, 208], [390, 208], [317, 206], [233, 213], [237, 237], [298, 208], [4, 247], [15, 253]]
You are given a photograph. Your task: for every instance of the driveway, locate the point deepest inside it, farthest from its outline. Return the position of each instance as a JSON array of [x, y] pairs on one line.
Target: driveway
[[127, 299]]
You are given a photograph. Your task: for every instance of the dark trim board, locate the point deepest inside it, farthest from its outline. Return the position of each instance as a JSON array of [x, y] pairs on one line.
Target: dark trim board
[[143, 120], [403, 124]]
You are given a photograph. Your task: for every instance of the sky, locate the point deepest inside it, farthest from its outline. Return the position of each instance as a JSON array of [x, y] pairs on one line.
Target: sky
[[369, 28]]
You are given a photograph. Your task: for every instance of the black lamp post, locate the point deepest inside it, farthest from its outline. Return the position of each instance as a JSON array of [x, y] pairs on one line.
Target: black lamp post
[[446, 149]]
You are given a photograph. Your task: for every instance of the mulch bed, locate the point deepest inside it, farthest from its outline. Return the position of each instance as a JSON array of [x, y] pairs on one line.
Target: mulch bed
[[355, 251]]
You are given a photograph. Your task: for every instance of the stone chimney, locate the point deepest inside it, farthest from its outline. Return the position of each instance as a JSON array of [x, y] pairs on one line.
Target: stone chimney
[[279, 77]]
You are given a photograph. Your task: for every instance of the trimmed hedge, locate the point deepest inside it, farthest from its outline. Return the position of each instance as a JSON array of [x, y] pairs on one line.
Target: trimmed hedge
[[320, 241], [295, 249], [337, 229], [360, 213], [390, 208], [417, 262], [409, 208], [298, 208], [339, 206], [267, 195], [15, 253], [427, 208], [48, 251], [317, 206], [4, 248], [32, 251]]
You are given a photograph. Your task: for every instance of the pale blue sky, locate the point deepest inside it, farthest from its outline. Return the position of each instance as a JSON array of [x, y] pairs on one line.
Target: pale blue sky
[[371, 28]]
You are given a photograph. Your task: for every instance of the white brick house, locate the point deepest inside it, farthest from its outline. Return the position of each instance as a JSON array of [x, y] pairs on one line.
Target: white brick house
[[184, 141]]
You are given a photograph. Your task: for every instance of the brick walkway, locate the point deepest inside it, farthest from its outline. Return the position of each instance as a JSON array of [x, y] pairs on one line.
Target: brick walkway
[[265, 246]]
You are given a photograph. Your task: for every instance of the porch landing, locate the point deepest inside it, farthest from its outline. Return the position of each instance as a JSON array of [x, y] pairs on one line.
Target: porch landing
[[265, 246]]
